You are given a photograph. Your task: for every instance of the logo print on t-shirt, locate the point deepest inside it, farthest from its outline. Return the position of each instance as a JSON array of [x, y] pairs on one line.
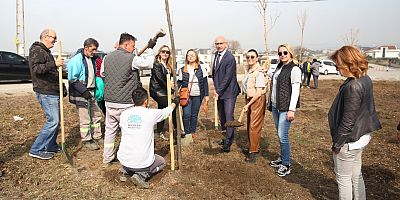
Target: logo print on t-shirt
[[134, 121]]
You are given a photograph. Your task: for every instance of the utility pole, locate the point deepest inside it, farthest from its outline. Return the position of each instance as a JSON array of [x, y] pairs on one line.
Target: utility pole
[[20, 26]]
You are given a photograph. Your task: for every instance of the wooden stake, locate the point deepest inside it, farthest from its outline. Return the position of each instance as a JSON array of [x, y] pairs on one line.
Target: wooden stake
[[178, 114], [170, 125]]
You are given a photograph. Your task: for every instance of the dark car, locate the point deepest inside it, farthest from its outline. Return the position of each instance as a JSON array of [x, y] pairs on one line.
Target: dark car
[[13, 67]]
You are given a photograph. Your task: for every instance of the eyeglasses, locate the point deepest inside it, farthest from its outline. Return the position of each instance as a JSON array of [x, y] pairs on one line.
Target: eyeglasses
[[219, 43], [165, 51], [54, 37], [283, 53], [250, 57]]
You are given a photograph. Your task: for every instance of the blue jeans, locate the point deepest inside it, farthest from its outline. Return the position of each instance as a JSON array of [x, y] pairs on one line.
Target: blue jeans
[[282, 126], [46, 140], [190, 114]]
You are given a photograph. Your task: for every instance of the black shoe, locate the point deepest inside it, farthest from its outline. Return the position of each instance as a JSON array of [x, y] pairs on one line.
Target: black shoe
[[91, 144], [57, 149], [245, 151], [276, 163], [183, 135], [42, 155], [140, 181], [250, 158], [225, 150], [283, 170]]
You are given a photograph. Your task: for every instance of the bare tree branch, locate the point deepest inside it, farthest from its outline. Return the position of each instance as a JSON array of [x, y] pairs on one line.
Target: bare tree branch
[[350, 38], [302, 19], [273, 21]]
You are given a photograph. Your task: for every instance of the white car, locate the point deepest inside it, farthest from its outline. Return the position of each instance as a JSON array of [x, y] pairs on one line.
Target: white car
[[181, 63], [327, 67], [273, 63]]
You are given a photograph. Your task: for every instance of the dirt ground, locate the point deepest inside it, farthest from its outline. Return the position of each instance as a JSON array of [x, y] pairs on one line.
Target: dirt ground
[[205, 173]]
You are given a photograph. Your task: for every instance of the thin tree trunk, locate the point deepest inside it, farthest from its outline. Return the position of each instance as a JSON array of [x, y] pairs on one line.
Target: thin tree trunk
[[266, 65], [178, 114], [301, 47]]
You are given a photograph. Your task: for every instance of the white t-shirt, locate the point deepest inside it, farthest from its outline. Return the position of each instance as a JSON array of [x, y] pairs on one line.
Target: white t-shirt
[[195, 90], [295, 77], [136, 149]]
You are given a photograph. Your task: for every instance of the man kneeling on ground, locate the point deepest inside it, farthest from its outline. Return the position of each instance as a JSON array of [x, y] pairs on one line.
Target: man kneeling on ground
[[136, 150]]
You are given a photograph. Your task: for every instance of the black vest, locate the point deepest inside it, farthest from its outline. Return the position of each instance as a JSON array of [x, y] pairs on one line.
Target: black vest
[[284, 87]]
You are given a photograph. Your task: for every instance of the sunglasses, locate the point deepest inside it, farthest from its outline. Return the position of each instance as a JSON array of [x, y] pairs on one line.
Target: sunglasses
[[54, 37], [165, 51], [283, 53], [250, 57]]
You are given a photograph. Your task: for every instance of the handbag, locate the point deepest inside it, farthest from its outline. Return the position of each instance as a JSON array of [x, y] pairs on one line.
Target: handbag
[[184, 94]]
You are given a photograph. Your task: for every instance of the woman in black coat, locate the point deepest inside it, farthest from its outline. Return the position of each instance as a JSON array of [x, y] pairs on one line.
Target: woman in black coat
[[158, 83], [352, 118]]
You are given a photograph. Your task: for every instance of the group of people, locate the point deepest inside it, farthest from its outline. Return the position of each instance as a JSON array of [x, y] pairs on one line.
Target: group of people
[[352, 117], [310, 68]]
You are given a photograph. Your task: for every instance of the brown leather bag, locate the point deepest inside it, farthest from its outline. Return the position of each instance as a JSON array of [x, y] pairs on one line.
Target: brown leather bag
[[184, 96], [184, 93]]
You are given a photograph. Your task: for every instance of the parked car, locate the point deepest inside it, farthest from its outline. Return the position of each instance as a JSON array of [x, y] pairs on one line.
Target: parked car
[[327, 67], [181, 63], [13, 67], [273, 63]]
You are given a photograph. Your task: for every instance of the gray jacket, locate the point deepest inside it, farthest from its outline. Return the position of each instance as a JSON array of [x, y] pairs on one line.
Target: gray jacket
[[315, 68]]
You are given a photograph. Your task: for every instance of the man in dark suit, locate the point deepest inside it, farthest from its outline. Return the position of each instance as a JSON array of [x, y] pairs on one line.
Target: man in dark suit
[[226, 88]]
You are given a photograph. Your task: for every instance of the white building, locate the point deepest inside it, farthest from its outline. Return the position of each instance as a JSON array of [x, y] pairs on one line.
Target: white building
[[388, 51]]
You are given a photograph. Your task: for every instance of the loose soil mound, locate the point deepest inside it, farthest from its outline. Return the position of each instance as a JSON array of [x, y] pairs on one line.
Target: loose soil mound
[[206, 173]]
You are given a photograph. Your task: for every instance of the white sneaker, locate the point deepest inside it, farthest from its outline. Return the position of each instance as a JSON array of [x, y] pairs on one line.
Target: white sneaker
[[283, 170]]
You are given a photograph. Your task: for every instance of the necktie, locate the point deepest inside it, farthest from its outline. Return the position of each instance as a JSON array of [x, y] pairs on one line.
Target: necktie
[[217, 60]]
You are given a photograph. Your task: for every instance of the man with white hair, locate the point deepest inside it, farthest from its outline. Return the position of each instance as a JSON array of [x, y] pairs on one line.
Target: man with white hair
[[45, 82], [226, 88]]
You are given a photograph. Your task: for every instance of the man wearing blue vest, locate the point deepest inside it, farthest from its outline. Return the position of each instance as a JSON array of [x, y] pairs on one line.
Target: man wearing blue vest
[[82, 83]]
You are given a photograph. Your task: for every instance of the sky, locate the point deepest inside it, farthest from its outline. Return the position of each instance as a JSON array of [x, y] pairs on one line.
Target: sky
[[196, 23]]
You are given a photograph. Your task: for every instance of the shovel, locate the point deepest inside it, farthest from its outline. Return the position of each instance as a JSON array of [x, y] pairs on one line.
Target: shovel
[[63, 147], [237, 123], [215, 113]]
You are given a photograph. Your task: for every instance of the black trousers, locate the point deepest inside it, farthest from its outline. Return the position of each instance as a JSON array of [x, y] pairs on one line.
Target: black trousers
[[163, 103]]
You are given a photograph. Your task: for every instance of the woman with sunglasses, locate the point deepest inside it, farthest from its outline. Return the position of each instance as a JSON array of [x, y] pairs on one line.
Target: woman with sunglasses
[[254, 88], [283, 101], [194, 77], [158, 83]]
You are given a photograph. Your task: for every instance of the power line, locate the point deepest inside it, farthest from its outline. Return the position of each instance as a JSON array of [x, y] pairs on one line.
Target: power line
[[285, 1]]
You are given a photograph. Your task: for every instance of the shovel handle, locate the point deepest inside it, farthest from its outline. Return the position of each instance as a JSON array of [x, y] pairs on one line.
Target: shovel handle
[[215, 112], [160, 33], [241, 115], [61, 98]]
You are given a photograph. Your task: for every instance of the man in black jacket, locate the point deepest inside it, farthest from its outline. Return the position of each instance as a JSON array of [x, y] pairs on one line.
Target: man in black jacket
[[46, 86]]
